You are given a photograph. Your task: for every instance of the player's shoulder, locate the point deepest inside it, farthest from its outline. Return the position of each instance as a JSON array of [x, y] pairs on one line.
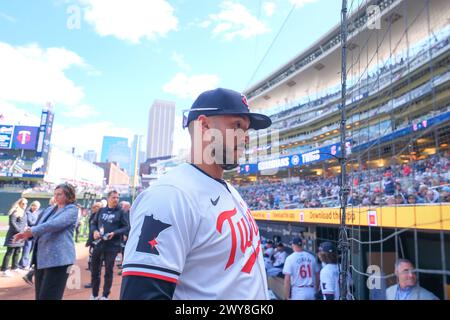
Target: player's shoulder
[[180, 180], [291, 257], [173, 177], [325, 269], [188, 178], [309, 254], [165, 190]]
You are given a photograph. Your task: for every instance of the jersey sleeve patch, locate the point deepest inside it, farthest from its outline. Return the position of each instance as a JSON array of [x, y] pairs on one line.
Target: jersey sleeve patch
[[148, 240]]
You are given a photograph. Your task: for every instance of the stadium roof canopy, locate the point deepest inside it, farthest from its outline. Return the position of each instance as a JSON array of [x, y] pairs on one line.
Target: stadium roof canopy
[[317, 68]]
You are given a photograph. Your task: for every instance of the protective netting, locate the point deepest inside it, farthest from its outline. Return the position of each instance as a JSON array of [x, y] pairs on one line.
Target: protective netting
[[397, 140]]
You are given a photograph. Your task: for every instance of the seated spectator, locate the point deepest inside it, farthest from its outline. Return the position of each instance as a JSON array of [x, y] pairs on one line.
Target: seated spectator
[[268, 254], [423, 189], [407, 287], [406, 170], [390, 201], [412, 199], [399, 199], [279, 258], [445, 195], [432, 196]]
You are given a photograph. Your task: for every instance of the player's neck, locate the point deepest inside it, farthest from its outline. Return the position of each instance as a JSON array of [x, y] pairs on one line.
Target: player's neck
[[212, 170]]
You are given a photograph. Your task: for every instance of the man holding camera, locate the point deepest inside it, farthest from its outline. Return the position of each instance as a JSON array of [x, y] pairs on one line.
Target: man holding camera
[[108, 228]]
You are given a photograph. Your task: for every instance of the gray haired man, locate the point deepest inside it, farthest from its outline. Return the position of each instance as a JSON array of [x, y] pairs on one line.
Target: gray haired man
[[407, 287]]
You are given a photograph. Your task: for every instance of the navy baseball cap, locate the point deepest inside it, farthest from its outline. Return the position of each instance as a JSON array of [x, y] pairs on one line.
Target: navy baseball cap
[[225, 102], [298, 241], [327, 247]]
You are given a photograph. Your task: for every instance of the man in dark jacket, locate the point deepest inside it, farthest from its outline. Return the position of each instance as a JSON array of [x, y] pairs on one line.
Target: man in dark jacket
[[92, 217], [108, 229]]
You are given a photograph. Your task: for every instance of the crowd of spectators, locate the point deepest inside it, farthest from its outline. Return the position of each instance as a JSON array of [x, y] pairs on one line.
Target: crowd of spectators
[[19, 165], [45, 187], [5, 165], [423, 181]]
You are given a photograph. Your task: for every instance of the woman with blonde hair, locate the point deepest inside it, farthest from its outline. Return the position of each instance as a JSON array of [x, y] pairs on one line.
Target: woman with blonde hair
[[17, 224]]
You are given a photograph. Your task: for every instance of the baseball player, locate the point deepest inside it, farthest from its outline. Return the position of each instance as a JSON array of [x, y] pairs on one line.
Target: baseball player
[[268, 253], [279, 257], [192, 235], [301, 273], [329, 275]]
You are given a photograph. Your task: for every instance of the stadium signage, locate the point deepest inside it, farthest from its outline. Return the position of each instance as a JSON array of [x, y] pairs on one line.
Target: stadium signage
[[6, 133], [18, 137], [25, 138], [426, 217], [274, 164], [295, 160], [247, 169], [311, 156]]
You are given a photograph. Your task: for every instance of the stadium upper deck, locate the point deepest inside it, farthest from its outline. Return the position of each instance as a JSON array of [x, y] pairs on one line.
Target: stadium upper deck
[[399, 91], [316, 70]]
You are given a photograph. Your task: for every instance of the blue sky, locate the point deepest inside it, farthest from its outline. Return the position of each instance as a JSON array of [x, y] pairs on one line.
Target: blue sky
[[103, 62]]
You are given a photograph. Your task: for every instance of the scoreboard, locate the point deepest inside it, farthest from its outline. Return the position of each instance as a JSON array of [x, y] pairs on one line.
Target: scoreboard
[[18, 137]]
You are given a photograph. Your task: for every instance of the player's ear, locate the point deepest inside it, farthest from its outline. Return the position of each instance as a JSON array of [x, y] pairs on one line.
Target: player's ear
[[204, 122], [198, 126]]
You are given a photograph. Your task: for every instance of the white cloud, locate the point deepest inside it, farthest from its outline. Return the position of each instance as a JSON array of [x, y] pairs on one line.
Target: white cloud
[[87, 136], [234, 20], [301, 3], [205, 24], [81, 112], [269, 8], [31, 74], [184, 86], [178, 58], [10, 114], [131, 19]]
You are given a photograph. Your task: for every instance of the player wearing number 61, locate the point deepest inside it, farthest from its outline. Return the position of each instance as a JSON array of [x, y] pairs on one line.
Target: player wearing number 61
[[301, 273]]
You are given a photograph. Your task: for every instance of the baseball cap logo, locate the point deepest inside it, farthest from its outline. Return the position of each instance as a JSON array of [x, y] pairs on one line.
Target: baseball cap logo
[[24, 136], [244, 101]]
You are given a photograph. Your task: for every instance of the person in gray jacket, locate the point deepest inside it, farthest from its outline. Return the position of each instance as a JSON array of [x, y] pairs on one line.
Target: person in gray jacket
[[54, 249], [407, 287], [32, 214]]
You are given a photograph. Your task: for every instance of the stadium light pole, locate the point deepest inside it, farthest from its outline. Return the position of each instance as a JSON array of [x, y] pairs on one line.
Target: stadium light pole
[[344, 190]]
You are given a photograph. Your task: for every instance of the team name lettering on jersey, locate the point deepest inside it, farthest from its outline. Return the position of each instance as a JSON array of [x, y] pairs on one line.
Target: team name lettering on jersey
[[108, 217], [246, 237]]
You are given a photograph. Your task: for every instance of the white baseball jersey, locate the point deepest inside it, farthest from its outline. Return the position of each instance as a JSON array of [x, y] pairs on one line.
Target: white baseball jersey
[[329, 280], [280, 258], [197, 232], [269, 252], [302, 268]]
